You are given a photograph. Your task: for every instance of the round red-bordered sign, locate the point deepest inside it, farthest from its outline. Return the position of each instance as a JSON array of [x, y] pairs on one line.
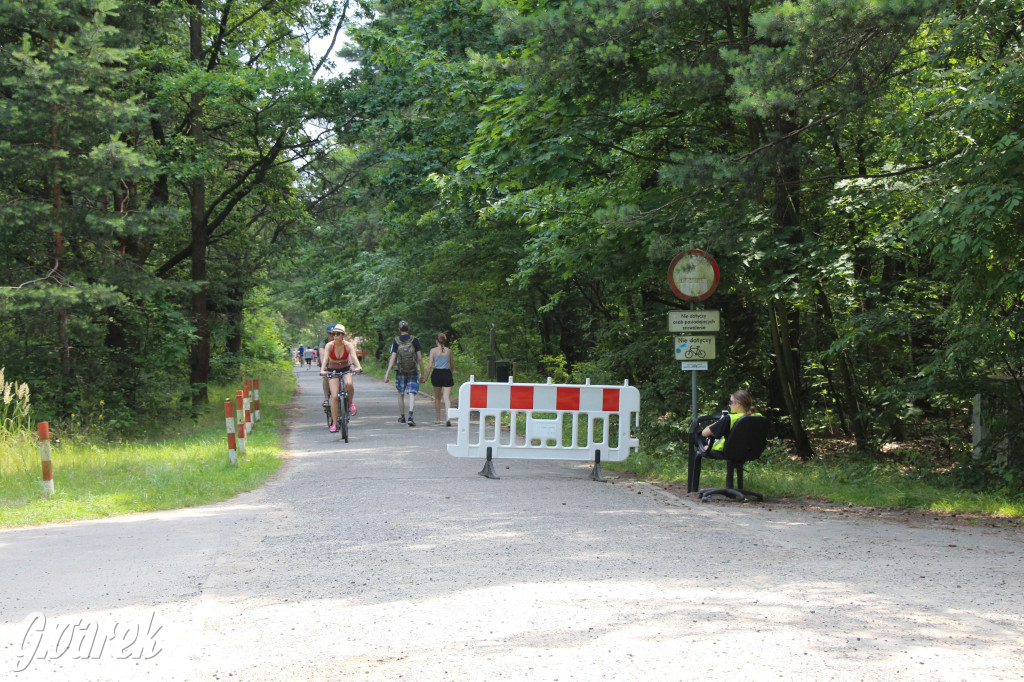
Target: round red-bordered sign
[[693, 275]]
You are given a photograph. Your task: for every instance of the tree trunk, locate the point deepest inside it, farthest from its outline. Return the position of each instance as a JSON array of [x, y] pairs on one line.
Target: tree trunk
[[783, 321], [235, 313], [67, 370], [850, 398], [787, 367], [199, 355]]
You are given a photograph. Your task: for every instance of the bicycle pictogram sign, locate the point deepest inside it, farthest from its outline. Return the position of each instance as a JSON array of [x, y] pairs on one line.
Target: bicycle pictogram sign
[[695, 348]]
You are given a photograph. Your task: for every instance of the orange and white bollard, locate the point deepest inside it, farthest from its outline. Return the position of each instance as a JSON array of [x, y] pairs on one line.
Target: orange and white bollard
[[256, 398], [44, 453], [240, 410], [229, 419]]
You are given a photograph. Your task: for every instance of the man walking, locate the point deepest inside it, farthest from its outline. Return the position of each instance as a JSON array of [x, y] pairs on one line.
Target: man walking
[[407, 360]]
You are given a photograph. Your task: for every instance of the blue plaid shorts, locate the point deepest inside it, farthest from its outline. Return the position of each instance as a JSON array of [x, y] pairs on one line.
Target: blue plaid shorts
[[407, 383]]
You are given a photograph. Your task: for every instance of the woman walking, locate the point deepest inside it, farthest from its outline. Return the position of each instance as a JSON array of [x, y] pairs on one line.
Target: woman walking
[[440, 368]]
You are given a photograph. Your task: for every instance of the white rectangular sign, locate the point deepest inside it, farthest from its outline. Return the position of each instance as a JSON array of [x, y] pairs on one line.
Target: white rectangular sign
[[693, 366], [694, 321], [695, 348]]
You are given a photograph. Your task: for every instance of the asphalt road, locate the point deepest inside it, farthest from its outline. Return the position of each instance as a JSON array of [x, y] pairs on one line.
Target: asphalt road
[[387, 559]]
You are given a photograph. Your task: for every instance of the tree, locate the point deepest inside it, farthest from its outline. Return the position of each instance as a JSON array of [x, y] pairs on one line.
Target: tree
[[225, 124], [167, 157], [64, 171]]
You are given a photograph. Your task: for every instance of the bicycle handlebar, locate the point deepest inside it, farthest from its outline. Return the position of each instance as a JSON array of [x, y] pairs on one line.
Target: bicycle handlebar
[[341, 373]]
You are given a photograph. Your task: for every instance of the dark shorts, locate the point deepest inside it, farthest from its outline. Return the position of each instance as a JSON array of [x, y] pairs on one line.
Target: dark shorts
[[442, 378]]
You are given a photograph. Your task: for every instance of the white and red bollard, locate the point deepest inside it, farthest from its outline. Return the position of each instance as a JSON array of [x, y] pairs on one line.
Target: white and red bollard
[[256, 399], [229, 419], [44, 453], [240, 409], [246, 396]]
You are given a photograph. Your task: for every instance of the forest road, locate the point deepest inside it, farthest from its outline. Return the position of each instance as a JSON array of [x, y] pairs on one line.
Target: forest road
[[387, 559]]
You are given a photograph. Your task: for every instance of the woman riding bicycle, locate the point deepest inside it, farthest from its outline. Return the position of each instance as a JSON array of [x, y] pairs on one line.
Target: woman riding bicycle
[[339, 356]]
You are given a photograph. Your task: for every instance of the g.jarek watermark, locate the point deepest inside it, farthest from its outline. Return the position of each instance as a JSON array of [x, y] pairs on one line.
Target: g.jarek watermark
[[85, 639]]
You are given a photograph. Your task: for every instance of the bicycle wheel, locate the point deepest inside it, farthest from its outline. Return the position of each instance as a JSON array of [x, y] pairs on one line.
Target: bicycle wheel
[[343, 417]]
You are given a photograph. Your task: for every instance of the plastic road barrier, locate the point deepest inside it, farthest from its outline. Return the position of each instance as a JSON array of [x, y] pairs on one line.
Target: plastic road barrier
[[546, 421]]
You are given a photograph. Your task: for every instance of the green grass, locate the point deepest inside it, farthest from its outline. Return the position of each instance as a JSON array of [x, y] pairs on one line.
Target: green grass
[[184, 465], [882, 484]]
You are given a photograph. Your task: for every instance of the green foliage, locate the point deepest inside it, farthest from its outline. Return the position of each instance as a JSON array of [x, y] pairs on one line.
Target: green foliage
[[854, 166], [110, 124], [851, 166]]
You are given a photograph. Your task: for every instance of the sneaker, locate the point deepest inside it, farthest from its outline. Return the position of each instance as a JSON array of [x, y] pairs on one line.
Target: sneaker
[[401, 420], [353, 411], [448, 423], [334, 428], [411, 422], [327, 403]]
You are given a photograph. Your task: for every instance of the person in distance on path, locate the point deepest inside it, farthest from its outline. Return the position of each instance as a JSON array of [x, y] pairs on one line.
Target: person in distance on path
[[440, 367], [407, 360]]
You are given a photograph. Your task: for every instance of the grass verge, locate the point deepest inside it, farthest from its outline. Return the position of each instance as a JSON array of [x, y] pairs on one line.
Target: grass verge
[[186, 465], [880, 484]]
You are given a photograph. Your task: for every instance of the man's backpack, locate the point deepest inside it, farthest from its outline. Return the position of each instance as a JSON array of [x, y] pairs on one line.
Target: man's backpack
[[406, 361]]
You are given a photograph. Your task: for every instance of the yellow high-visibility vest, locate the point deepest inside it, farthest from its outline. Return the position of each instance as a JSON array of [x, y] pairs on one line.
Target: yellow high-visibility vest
[[733, 418]]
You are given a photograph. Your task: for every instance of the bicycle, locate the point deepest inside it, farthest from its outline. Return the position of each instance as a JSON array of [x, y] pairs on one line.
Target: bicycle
[[694, 352], [343, 404]]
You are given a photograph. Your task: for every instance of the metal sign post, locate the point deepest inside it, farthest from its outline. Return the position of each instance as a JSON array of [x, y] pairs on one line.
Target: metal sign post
[[693, 276], [693, 385]]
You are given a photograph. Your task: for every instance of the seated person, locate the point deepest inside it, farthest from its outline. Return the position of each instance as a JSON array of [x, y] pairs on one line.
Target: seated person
[[741, 404]]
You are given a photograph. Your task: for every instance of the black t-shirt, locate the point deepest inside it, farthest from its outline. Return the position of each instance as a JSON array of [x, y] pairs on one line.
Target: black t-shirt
[[403, 338], [721, 428]]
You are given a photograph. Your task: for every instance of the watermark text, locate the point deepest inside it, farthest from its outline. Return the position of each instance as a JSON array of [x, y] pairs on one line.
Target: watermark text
[[49, 640]]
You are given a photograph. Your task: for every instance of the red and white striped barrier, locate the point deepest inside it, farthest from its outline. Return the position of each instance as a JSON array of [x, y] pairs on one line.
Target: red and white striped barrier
[[546, 421], [247, 406], [240, 411], [44, 454], [229, 420], [241, 414], [256, 399]]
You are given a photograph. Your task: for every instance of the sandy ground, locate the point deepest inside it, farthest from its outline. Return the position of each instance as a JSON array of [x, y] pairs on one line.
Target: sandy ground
[[386, 559]]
